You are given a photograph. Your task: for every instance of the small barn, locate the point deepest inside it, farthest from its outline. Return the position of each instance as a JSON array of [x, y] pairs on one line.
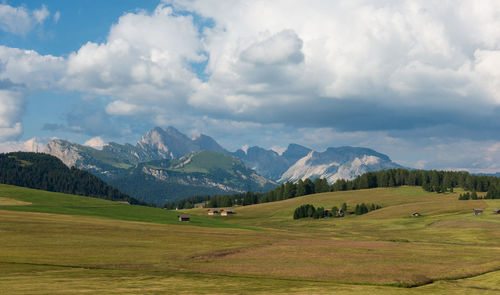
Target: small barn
[[184, 217], [416, 214], [212, 211], [226, 212], [477, 211]]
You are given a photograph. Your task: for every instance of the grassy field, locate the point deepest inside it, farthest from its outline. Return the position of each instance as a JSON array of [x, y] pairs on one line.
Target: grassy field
[[23, 199], [59, 244]]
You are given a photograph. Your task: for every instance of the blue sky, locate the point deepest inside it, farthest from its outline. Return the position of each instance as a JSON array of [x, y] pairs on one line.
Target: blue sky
[[417, 80]]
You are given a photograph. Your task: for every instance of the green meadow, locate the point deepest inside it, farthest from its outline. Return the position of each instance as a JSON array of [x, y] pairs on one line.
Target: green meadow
[[54, 243]]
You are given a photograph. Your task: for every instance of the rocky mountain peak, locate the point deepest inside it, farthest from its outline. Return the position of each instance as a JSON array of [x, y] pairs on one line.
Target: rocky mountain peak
[[338, 163], [205, 142], [64, 150], [167, 143], [294, 152]]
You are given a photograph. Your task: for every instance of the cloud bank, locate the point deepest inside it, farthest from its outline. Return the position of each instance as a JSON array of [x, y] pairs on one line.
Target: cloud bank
[[411, 71]]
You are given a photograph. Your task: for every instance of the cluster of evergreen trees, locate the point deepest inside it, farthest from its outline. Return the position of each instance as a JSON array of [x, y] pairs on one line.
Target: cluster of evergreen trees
[[469, 196], [431, 180], [365, 208], [491, 194], [45, 172], [308, 210]]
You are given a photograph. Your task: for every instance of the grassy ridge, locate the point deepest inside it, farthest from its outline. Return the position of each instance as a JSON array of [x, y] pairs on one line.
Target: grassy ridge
[[204, 162], [58, 203], [447, 250]]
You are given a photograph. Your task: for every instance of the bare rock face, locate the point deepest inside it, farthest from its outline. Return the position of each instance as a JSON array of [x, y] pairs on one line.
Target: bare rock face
[[167, 143], [65, 151], [338, 163]]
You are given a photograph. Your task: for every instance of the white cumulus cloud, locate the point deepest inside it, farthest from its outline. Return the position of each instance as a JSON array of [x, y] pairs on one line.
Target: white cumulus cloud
[[423, 68], [95, 142], [20, 20], [145, 60], [34, 144]]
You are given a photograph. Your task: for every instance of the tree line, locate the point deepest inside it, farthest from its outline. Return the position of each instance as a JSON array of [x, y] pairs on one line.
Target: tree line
[[309, 211], [474, 196], [45, 172], [284, 191], [429, 180]]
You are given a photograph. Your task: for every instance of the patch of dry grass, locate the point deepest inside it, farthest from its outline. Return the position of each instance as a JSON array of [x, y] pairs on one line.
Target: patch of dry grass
[[12, 202], [357, 261]]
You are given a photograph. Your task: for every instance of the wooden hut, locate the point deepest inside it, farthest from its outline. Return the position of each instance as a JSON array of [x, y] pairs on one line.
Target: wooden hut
[[212, 211], [184, 217], [226, 212], [340, 213]]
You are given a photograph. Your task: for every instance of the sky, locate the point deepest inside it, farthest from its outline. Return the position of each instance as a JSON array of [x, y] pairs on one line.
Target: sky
[[416, 80]]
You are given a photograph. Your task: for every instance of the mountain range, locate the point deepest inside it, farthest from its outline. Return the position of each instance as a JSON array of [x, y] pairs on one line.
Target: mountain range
[[156, 159]]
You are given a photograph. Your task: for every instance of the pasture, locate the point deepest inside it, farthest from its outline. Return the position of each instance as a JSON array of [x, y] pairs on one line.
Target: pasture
[[58, 244]]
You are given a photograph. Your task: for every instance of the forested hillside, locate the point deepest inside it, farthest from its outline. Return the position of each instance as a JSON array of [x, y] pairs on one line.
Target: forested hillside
[[45, 172]]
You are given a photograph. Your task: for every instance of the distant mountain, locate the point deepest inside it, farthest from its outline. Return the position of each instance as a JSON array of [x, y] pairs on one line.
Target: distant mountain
[[166, 143], [105, 163], [108, 163], [204, 142], [299, 162], [268, 163], [295, 152], [489, 174], [117, 162], [198, 173], [338, 163], [45, 172]]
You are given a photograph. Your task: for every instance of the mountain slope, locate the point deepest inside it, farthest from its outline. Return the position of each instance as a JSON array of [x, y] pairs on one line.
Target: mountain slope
[[205, 142], [167, 143], [268, 163], [198, 173], [338, 163], [109, 162], [45, 172], [299, 162]]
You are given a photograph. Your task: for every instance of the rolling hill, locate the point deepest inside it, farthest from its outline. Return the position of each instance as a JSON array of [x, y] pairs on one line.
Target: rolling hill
[[42, 171], [57, 243]]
